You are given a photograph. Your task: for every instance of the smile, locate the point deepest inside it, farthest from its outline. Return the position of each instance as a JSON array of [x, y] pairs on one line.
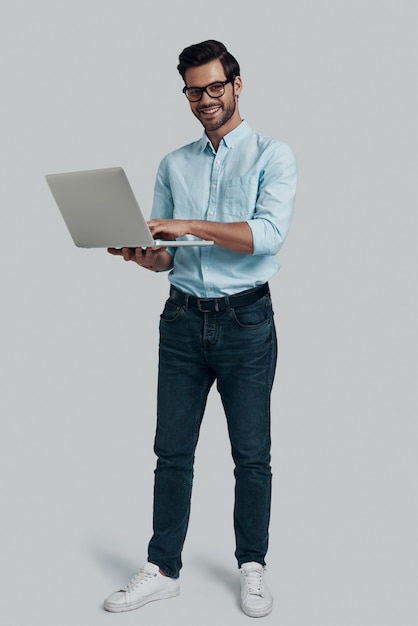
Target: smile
[[209, 111]]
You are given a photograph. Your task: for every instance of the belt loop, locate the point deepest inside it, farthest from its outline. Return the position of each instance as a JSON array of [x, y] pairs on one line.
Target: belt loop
[[228, 304], [186, 301]]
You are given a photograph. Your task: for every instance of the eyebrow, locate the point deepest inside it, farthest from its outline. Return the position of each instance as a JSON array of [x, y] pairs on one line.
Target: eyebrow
[[213, 82]]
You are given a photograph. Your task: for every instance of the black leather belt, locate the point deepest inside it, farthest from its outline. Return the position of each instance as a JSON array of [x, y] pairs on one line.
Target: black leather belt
[[209, 305]]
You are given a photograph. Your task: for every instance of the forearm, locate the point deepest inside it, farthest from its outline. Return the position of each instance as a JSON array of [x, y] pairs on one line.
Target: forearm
[[234, 236]]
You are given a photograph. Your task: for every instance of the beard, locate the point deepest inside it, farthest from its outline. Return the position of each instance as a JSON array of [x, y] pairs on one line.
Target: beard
[[226, 113]]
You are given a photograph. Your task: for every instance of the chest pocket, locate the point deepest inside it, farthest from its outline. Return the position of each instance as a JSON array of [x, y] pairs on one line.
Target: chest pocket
[[240, 197]]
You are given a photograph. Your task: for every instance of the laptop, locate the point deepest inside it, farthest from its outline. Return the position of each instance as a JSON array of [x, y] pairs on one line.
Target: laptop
[[100, 211]]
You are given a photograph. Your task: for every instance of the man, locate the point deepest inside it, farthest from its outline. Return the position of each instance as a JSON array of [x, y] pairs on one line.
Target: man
[[237, 188]]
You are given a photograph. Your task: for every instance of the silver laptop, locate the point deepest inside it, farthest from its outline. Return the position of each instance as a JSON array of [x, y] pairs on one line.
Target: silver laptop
[[101, 211]]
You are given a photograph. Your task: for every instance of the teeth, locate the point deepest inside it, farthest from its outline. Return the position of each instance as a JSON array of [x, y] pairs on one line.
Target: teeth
[[210, 110]]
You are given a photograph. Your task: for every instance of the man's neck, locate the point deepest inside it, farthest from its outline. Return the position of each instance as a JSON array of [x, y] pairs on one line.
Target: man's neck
[[216, 136]]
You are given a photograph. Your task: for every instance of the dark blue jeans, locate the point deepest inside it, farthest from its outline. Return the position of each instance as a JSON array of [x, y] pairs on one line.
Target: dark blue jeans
[[238, 349]]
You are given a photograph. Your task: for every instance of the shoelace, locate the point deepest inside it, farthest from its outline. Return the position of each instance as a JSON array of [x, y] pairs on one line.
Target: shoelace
[[137, 580], [254, 582]]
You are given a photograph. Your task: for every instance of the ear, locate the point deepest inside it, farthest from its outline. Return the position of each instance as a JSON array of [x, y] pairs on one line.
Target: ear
[[237, 85]]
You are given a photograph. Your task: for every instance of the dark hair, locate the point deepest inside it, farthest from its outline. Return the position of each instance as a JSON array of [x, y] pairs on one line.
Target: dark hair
[[210, 50]]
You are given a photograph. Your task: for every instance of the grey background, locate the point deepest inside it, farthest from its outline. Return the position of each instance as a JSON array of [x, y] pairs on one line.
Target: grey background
[[94, 84]]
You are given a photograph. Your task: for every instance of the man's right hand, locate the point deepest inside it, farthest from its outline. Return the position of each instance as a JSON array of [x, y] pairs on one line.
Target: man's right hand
[[152, 258]]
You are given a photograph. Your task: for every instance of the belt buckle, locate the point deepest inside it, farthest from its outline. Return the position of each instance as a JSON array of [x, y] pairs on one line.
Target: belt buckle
[[203, 300]]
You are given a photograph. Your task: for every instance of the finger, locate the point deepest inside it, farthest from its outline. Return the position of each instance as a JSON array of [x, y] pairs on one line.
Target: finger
[[139, 254], [156, 225], [127, 254], [149, 255], [115, 251]]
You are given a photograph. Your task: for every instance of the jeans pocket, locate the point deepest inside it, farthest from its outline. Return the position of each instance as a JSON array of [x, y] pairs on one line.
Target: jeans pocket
[[171, 311], [254, 315]]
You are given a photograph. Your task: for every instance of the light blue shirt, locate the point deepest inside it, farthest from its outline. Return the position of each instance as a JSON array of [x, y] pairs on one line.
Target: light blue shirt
[[250, 178]]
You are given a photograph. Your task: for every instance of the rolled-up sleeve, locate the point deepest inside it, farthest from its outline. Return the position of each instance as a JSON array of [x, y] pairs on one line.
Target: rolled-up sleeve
[[275, 201], [163, 204]]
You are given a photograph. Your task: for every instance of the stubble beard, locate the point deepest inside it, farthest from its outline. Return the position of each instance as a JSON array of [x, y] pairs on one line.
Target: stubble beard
[[227, 113]]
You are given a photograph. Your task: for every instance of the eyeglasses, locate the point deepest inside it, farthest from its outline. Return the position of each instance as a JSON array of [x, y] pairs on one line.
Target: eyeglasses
[[214, 90]]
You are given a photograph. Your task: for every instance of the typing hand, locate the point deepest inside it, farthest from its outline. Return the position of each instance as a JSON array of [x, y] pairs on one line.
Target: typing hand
[[169, 229]]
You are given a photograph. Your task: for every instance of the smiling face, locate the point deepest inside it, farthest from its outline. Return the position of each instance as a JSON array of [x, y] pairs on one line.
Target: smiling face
[[218, 115]]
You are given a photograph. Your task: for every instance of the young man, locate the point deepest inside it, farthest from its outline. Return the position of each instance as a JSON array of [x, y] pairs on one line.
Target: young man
[[237, 188]]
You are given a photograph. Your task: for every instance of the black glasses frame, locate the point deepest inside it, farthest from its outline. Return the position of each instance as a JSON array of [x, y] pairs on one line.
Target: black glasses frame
[[205, 89]]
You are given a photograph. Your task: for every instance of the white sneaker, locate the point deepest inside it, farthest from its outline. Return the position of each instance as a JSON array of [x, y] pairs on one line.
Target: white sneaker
[[256, 599], [146, 586]]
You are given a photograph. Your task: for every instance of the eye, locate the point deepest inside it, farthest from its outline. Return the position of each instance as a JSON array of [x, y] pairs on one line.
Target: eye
[[194, 92], [216, 88]]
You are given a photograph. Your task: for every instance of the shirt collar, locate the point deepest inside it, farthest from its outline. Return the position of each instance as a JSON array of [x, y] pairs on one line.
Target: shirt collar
[[229, 140]]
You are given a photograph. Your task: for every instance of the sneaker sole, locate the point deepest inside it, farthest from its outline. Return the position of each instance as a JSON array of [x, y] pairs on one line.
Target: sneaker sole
[[257, 612], [121, 608]]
